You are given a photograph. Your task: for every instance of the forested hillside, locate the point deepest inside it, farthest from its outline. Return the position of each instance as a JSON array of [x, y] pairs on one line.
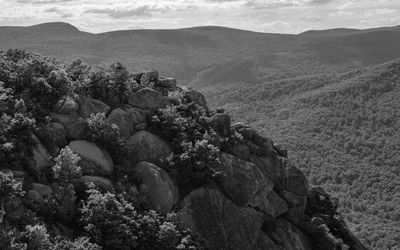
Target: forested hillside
[[343, 131], [212, 56]]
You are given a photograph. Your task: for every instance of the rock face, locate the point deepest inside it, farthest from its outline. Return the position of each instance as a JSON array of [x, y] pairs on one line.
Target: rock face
[[162, 192], [88, 106], [221, 123], [94, 161], [121, 118], [148, 147], [148, 99], [223, 224]]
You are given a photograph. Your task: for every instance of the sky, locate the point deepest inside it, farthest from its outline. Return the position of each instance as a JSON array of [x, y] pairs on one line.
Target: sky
[[275, 16]]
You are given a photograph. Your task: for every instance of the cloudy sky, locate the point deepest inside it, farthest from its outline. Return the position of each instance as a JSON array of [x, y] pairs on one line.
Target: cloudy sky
[[281, 16]]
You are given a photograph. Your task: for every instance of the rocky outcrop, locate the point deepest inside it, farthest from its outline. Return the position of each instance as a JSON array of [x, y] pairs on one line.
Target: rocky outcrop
[[88, 106], [40, 159], [222, 223]]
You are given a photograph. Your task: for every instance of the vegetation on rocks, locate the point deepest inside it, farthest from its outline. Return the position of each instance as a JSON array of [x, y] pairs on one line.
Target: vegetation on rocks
[[88, 187]]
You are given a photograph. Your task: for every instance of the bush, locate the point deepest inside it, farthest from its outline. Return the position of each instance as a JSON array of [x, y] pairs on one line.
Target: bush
[[114, 223], [66, 169], [195, 144], [107, 136]]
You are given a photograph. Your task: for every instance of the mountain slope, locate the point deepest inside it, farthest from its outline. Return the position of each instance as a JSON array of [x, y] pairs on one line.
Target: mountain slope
[[208, 56], [342, 130]]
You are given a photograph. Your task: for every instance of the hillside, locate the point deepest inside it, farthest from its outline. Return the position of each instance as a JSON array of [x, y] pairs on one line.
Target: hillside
[[208, 56], [342, 130]]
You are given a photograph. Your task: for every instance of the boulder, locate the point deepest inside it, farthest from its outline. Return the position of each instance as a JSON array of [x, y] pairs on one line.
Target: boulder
[[137, 115], [88, 106], [165, 83], [67, 105], [78, 130], [196, 97], [148, 99], [296, 181], [243, 174], [239, 150], [219, 221], [103, 183], [220, 123], [272, 167], [121, 118], [265, 243], [94, 161], [55, 133], [40, 159], [64, 119], [145, 146], [149, 77], [162, 192]]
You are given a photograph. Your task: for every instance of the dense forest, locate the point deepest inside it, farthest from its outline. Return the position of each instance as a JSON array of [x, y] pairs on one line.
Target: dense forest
[[342, 130]]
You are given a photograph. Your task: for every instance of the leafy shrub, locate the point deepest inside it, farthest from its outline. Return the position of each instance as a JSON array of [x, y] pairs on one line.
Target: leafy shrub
[[16, 139], [114, 223], [66, 169], [196, 150], [107, 136]]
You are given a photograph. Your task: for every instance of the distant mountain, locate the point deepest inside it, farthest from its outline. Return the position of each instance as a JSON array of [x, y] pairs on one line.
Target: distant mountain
[[342, 130], [207, 56]]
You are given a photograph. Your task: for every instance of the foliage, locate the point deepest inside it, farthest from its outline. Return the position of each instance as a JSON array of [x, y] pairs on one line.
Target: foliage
[[195, 151], [114, 223], [107, 136], [66, 169]]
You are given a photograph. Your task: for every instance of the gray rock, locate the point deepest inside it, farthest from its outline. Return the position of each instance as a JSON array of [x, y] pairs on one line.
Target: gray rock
[[296, 207], [78, 130], [64, 119], [270, 203], [42, 189], [121, 118], [67, 105], [166, 83], [296, 181], [162, 192], [94, 161], [40, 159], [145, 146], [272, 168], [221, 123], [148, 99], [242, 180], [88, 106], [219, 221], [196, 97]]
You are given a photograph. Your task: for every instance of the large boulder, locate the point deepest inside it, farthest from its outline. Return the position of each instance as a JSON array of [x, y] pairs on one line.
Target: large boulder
[[220, 123], [121, 118], [162, 192], [165, 83], [219, 221], [148, 99], [40, 159], [243, 174], [145, 146], [88, 106], [54, 133], [296, 207], [64, 119], [296, 181], [78, 130], [196, 97], [94, 161]]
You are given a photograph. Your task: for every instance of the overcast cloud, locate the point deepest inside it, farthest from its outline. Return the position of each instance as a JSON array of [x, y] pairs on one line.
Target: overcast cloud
[[281, 16]]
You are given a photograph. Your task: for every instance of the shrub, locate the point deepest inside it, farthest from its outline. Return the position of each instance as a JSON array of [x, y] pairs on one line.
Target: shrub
[[16, 139], [66, 169], [107, 136], [196, 151], [114, 223]]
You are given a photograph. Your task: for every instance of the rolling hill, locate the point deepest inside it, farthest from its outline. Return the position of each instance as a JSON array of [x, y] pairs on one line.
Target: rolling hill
[[209, 56], [342, 130]]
